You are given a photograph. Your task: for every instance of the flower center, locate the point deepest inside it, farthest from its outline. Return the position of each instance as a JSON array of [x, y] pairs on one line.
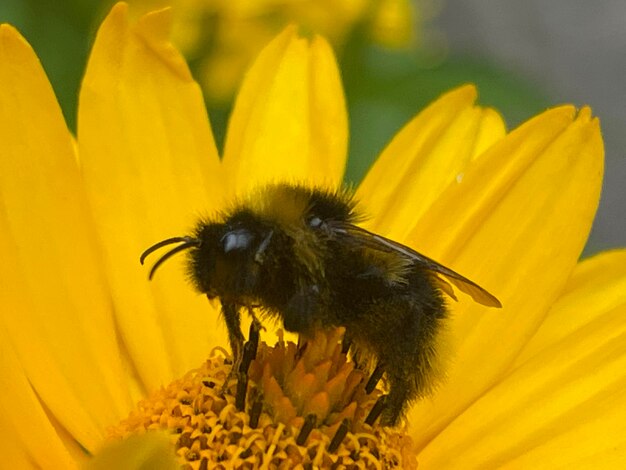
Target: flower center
[[306, 405]]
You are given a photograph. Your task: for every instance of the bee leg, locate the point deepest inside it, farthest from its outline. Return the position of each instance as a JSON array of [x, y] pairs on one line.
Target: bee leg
[[358, 356], [362, 360], [346, 345], [400, 392], [256, 323], [376, 410], [249, 354], [300, 313], [235, 337], [255, 333]]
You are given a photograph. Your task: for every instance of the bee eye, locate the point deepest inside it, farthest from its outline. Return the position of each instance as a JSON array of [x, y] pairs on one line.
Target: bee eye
[[315, 222], [237, 240]]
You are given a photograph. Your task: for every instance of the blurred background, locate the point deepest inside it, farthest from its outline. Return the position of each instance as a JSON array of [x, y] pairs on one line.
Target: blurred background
[[396, 56]]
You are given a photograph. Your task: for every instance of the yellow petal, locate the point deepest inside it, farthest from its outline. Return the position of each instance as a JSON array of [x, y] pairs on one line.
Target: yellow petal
[[24, 426], [597, 285], [424, 158], [151, 167], [152, 450], [289, 120], [54, 297], [516, 224], [13, 455], [563, 408]]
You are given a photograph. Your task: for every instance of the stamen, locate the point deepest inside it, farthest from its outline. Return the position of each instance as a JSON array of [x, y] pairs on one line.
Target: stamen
[[307, 427], [339, 436], [305, 409]]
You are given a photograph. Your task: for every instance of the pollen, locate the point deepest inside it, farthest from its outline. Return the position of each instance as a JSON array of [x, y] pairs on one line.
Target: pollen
[[289, 406]]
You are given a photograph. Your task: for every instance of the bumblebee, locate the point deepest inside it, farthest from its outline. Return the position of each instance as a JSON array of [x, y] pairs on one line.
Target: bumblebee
[[297, 254]]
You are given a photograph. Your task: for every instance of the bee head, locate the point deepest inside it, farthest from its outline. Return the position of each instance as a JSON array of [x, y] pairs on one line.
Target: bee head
[[279, 232], [228, 256]]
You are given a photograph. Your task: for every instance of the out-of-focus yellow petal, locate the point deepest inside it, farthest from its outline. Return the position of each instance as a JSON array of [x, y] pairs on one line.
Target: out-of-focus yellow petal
[[24, 426], [289, 120], [424, 158], [150, 451], [516, 224], [394, 23], [53, 293], [151, 167], [563, 408], [598, 285]]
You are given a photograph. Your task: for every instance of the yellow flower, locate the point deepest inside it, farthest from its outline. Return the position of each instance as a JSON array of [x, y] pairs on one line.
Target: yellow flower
[[84, 336], [223, 37]]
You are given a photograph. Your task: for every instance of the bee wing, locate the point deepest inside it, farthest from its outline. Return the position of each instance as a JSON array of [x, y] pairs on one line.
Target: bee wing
[[371, 240]]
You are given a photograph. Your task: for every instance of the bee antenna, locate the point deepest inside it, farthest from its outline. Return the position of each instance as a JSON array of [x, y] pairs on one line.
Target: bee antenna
[[169, 254], [163, 243]]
